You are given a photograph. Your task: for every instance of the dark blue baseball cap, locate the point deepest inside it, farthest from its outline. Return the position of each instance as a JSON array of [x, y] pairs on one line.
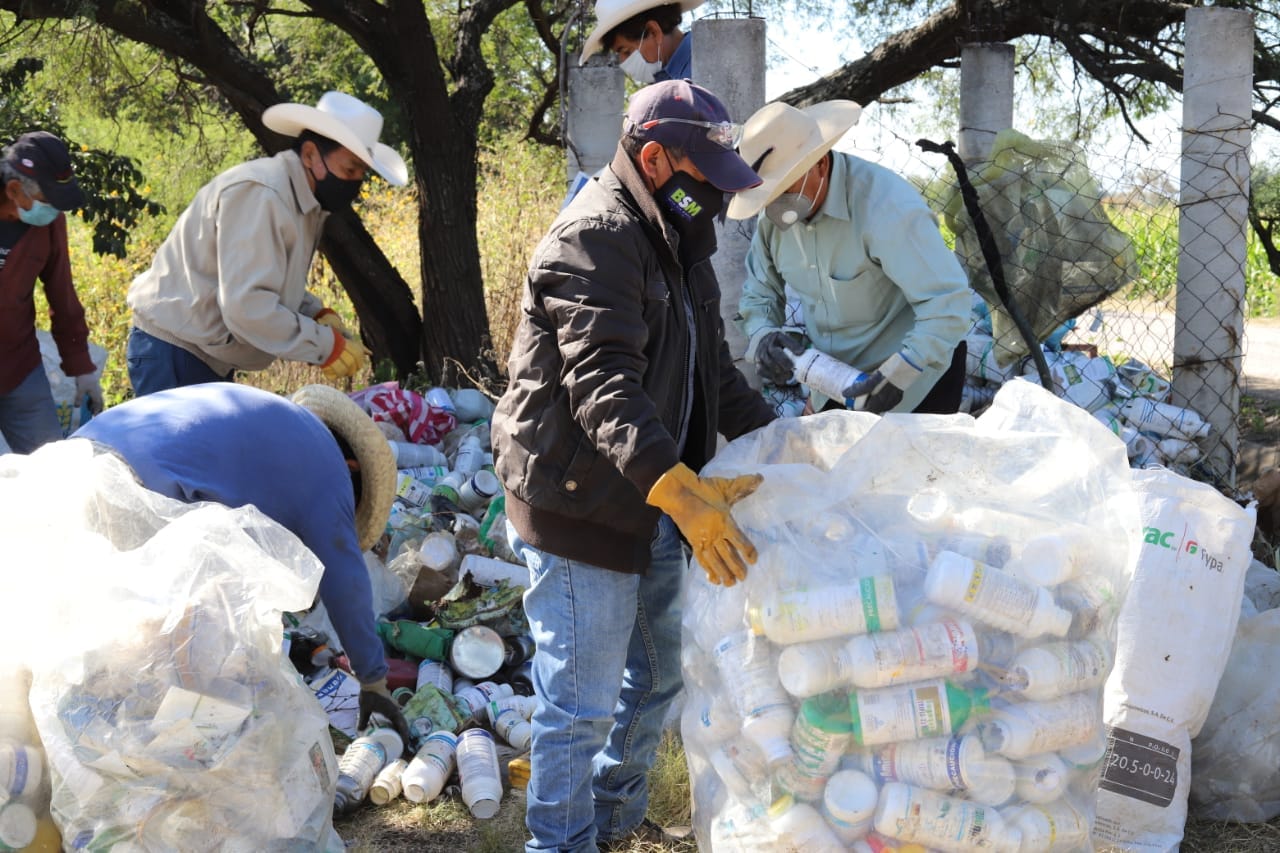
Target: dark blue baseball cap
[[44, 158], [686, 116]]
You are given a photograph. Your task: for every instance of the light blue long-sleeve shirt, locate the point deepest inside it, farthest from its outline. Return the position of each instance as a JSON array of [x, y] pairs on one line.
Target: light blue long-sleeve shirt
[[236, 445], [872, 273]]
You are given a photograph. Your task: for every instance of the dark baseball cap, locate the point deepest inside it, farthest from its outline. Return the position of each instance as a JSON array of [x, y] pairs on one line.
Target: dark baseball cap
[[686, 116], [44, 158]]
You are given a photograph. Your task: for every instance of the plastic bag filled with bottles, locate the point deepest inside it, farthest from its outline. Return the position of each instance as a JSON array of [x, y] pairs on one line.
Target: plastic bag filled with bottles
[[917, 656], [159, 706]]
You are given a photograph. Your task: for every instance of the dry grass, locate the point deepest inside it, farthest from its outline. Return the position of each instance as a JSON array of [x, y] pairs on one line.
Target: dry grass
[[447, 827]]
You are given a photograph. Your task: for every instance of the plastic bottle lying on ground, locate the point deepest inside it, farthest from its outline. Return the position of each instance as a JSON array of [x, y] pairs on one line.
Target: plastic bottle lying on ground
[[360, 764], [424, 778]]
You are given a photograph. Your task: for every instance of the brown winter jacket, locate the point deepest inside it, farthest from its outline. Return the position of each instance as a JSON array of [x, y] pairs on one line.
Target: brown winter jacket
[[599, 377]]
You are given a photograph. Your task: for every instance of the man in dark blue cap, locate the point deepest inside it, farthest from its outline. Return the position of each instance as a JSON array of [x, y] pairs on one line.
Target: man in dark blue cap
[[38, 186], [620, 380]]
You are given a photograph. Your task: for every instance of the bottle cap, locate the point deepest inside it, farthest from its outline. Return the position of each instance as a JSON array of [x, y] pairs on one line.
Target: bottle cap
[[781, 806], [477, 651]]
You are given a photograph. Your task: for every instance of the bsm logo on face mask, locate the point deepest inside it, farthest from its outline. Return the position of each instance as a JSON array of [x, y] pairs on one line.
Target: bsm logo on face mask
[[686, 203]]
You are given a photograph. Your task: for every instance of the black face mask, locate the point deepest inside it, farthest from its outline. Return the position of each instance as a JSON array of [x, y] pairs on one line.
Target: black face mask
[[691, 206], [335, 193]]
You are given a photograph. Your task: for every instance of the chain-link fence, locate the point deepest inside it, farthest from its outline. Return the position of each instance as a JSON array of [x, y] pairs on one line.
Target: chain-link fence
[[1077, 282]]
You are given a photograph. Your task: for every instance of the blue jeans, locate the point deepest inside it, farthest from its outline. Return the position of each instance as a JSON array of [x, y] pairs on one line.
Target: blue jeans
[[606, 669], [156, 365], [28, 415]]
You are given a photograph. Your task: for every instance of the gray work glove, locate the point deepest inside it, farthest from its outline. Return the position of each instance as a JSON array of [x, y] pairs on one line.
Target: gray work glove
[[772, 360], [376, 699], [882, 389]]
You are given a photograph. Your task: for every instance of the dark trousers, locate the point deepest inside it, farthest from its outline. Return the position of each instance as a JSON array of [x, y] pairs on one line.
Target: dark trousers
[[944, 397]]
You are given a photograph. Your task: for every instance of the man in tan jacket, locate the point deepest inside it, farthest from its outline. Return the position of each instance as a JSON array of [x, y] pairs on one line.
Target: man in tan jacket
[[227, 288]]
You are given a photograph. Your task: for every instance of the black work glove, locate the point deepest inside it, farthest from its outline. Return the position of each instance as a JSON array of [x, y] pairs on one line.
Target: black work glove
[[882, 389], [772, 361], [376, 699]]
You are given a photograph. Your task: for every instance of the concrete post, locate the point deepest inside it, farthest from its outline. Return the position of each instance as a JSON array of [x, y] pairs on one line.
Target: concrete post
[[986, 97], [1212, 227], [728, 59], [593, 120]]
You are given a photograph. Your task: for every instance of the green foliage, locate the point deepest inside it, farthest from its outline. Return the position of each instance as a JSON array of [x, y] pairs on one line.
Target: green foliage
[[115, 191], [1154, 231]]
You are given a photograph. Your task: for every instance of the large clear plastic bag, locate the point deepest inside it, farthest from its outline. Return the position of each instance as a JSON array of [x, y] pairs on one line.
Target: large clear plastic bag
[[854, 508], [169, 717]]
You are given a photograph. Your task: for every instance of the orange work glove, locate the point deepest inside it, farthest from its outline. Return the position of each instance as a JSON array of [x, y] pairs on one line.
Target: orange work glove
[[329, 317], [348, 358], [700, 508]]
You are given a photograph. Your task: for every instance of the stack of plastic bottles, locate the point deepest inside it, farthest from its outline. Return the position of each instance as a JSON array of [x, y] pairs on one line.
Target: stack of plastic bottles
[[917, 656]]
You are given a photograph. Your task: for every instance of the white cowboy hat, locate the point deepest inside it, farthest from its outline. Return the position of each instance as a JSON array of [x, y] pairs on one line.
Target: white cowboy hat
[[342, 416], [782, 143], [610, 13], [348, 121]]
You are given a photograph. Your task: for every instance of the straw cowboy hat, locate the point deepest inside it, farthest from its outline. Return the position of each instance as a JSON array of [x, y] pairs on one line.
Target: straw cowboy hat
[[348, 121], [342, 416], [610, 13], [782, 143]]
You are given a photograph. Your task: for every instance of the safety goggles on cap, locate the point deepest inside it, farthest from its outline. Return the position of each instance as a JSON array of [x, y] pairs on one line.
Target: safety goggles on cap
[[726, 134]]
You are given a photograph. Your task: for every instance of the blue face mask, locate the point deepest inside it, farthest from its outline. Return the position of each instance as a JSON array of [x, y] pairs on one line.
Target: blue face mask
[[40, 214]]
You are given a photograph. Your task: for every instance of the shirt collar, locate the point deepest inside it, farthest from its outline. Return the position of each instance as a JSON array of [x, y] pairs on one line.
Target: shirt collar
[[836, 204], [302, 193]]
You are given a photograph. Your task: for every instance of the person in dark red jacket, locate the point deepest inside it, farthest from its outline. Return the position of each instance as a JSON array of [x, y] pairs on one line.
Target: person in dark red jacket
[[38, 186]]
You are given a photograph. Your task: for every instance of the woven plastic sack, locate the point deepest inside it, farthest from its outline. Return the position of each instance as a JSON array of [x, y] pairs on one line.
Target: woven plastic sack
[[854, 516], [1060, 251], [169, 717]]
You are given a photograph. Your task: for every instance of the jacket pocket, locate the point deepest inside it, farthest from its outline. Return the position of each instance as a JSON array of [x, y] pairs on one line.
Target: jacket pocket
[[574, 482]]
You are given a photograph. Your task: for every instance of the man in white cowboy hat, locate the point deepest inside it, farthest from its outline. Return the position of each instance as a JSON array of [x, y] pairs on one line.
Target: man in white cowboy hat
[[316, 464], [620, 381], [859, 246], [646, 37], [227, 288]]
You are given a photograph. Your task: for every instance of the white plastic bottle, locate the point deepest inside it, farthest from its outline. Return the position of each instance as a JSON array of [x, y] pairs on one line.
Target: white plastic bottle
[[822, 732], [804, 614], [1025, 729], [994, 597], [1091, 601], [21, 770], [1055, 669], [748, 669], [424, 778], [360, 764], [435, 672], [387, 785], [931, 650], [510, 726], [18, 826], [741, 767], [707, 724], [409, 454], [1041, 778], [848, 804], [799, 826], [16, 720], [956, 764], [469, 457], [1051, 827], [479, 773], [525, 706], [908, 813], [477, 696]]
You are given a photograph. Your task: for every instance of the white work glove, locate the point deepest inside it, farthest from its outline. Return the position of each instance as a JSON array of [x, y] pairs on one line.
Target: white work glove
[[882, 389], [89, 383]]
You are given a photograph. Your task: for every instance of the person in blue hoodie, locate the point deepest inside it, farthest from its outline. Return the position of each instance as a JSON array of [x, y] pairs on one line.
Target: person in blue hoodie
[[315, 463]]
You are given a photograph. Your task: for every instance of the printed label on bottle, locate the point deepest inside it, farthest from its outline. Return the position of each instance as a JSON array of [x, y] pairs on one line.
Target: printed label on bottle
[[909, 712], [931, 763], [939, 821], [1059, 723], [932, 650], [749, 668], [1001, 595]]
